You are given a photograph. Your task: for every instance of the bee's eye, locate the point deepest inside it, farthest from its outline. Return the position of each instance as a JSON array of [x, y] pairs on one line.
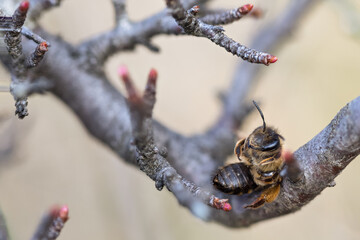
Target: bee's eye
[[271, 146]]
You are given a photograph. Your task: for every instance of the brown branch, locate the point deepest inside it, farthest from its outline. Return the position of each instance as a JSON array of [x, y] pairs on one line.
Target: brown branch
[[152, 161], [196, 27]]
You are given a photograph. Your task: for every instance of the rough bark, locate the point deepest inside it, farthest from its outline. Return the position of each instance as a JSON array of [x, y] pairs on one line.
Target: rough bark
[[107, 116]]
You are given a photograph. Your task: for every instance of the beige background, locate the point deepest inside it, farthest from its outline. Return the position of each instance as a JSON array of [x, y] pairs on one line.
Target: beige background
[[57, 162]]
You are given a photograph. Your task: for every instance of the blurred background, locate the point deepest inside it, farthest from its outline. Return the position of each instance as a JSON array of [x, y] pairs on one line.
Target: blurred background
[[55, 160]]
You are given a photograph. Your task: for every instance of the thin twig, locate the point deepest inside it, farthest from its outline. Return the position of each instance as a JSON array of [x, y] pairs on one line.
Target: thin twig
[[93, 53], [196, 27], [227, 16], [149, 158], [37, 55], [51, 224], [32, 36]]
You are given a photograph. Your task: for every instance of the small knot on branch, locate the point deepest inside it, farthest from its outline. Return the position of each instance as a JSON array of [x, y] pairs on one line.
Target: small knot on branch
[[166, 174]]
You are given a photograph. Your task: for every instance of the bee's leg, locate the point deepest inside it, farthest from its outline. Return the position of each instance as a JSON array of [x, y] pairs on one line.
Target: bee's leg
[[237, 149], [267, 196], [266, 161]]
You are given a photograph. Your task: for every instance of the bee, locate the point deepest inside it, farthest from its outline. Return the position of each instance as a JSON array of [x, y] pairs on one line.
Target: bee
[[259, 167]]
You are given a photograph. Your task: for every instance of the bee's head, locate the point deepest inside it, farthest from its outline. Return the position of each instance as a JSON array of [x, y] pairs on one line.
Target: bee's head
[[264, 138], [265, 141]]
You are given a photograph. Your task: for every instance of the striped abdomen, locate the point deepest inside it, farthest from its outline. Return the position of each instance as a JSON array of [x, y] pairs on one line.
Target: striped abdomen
[[234, 179]]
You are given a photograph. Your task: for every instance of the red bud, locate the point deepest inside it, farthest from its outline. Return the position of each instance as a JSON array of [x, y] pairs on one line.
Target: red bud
[[24, 6], [153, 76], [227, 207], [123, 71], [246, 8], [43, 47], [64, 213], [272, 58]]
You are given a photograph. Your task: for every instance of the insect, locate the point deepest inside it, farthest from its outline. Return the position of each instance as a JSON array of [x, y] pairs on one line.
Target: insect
[[259, 167]]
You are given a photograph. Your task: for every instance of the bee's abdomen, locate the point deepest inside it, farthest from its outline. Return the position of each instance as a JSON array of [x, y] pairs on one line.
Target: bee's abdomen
[[234, 179]]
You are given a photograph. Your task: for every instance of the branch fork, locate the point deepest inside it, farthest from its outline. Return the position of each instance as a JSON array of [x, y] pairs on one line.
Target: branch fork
[[21, 63], [149, 158], [199, 28], [320, 160]]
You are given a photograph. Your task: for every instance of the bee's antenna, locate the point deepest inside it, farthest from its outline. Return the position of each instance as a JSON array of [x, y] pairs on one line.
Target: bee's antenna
[[261, 114]]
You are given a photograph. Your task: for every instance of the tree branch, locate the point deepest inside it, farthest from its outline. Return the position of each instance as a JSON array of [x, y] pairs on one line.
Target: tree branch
[[32, 36], [321, 159], [20, 63], [196, 27], [51, 224], [227, 16], [93, 53], [153, 161], [195, 158]]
